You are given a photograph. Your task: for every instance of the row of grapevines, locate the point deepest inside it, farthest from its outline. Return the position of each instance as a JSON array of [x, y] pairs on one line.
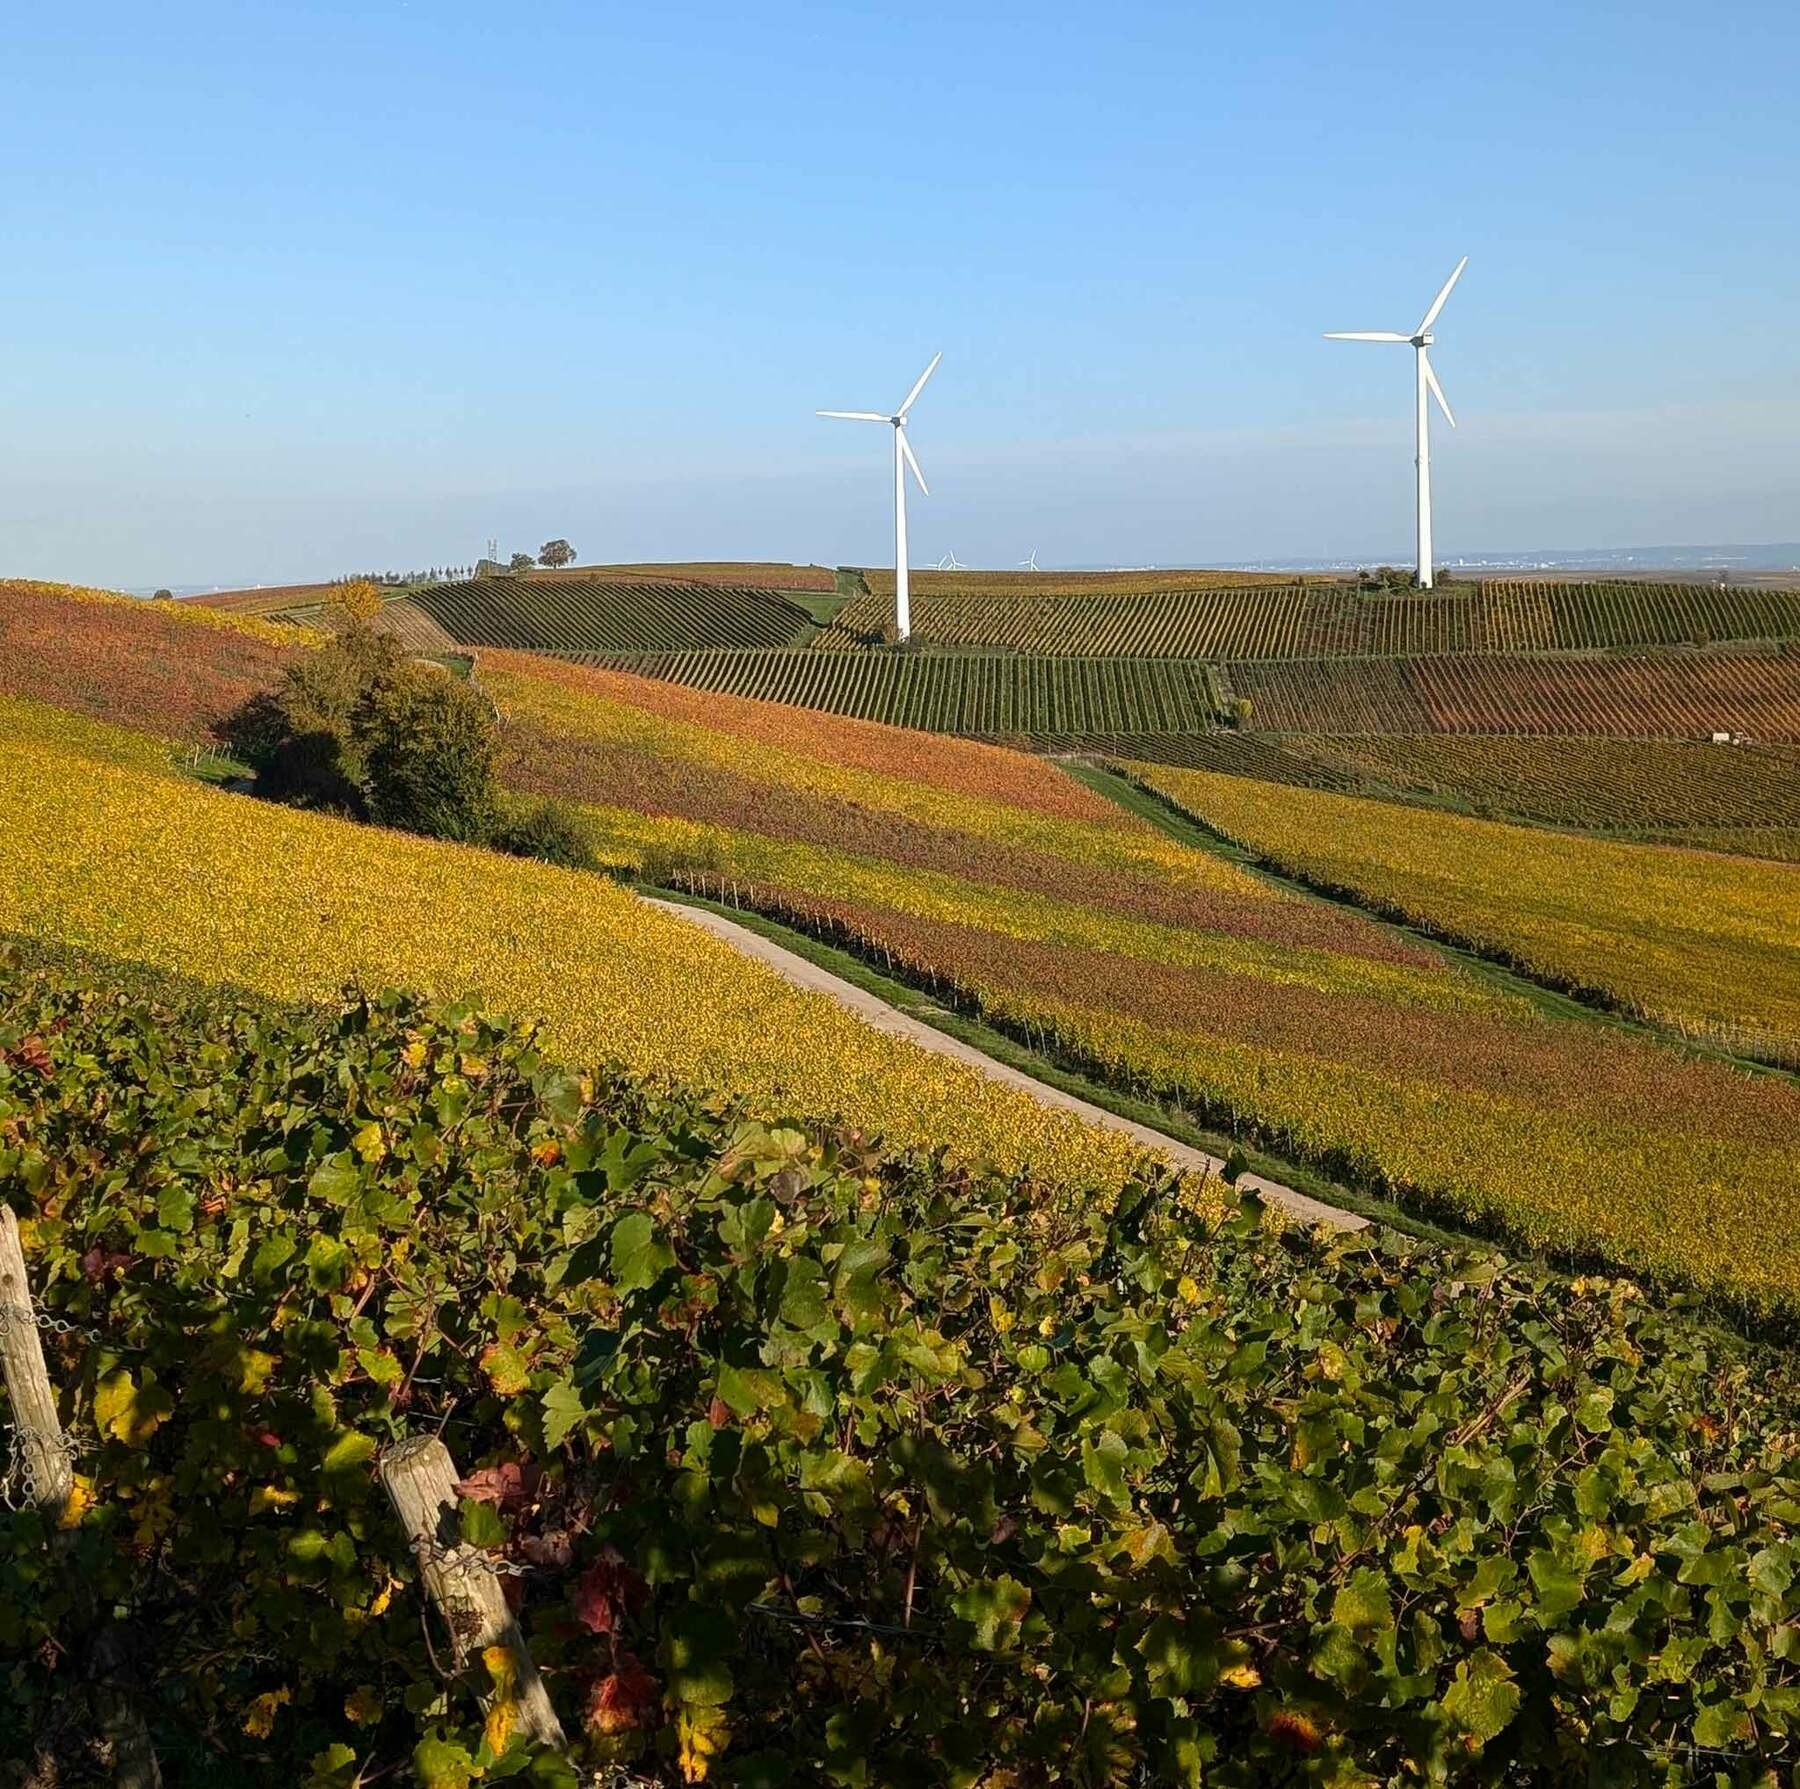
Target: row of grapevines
[[977, 694], [814, 1464], [590, 614]]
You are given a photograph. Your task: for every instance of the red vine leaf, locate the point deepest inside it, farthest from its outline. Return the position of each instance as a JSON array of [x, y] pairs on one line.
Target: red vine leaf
[[609, 1590], [509, 1487], [623, 1699]]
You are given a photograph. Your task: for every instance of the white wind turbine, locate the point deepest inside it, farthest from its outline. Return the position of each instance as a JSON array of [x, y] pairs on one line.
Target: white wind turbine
[[903, 457], [1030, 564], [1420, 340]]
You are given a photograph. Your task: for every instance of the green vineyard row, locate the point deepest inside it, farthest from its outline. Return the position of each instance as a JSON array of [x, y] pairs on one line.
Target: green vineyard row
[[1078, 703], [1322, 621], [574, 614], [975, 694]]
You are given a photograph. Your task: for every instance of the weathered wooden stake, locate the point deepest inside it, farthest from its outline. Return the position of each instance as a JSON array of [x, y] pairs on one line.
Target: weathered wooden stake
[[49, 1475], [420, 1480], [49, 1479]]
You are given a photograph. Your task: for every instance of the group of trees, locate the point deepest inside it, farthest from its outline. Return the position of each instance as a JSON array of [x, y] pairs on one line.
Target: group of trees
[[362, 729], [553, 555], [1394, 578]]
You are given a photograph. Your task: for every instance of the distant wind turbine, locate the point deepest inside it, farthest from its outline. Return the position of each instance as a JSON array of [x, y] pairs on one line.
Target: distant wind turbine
[[1030, 564], [903, 457], [1420, 340], [950, 562]]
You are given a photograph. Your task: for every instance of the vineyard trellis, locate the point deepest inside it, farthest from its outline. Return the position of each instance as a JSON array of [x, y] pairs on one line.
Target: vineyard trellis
[[983, 695], [1665, 695], [1315, 621], [590, 614]]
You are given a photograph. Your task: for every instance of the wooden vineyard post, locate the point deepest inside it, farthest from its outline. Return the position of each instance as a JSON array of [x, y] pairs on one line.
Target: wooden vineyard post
[[49, 1474], [42, 1452], [420, 1480]]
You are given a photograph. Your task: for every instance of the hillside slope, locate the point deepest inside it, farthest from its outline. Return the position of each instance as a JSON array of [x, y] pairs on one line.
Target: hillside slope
[[1173, 974]]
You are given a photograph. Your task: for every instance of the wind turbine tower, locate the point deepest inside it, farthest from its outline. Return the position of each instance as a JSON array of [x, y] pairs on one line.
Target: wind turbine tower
[[1425, 381], [903, 457]]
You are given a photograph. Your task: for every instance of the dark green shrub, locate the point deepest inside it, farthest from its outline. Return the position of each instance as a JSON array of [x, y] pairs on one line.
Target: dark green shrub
[[359, 728], [549, 830], [428, 755], [307, 741]]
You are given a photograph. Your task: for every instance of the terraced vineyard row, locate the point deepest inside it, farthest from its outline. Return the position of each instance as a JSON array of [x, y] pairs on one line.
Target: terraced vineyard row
[[973, 694], [1643, 696], [589, 614], [1626, 613], [1319, 621], [1598, 784], [926, 582]]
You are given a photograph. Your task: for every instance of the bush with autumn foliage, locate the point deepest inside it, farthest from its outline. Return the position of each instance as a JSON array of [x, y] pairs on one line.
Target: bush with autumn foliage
[[812, 1464]]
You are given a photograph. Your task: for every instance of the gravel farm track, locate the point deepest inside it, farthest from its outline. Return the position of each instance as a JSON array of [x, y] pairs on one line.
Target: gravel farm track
[[878, 1014]]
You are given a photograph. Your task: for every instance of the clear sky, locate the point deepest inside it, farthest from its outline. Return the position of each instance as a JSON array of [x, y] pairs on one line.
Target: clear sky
[[296, 288]]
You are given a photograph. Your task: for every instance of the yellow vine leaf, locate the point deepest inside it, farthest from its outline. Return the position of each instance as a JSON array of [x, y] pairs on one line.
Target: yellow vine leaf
[[81, 1497], [129, 1412], [700, 1734], [503, 1710], [259, 1719]]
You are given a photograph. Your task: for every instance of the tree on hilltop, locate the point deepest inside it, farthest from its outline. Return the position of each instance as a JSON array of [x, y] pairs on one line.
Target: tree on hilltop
[[522, 562], [556, 554]]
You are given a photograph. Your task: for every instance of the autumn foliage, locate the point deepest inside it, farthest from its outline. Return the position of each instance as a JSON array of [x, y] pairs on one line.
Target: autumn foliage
[[807, 1462]]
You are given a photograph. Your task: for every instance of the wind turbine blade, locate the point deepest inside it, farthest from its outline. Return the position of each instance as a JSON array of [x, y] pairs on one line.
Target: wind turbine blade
[[906, 448], [1365, 335], [1437, 391], [912, 396], [855, 415], [1437, 304]]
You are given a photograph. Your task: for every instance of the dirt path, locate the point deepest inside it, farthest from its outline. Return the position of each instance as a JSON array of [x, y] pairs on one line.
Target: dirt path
[[877, 1013]]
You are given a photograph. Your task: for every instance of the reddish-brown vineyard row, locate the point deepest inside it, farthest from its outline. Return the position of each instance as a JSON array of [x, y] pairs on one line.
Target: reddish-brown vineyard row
[[1678, 695]]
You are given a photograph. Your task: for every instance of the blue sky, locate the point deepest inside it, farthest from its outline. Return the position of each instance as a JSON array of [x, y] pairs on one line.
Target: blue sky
[[304, 287]]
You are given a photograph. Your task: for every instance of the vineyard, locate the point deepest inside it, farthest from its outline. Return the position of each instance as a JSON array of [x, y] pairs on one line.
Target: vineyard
[[161, 668], [801, 1461], [1029, 898], [741, 574], [1671, 695], [265, 599], [589, 614], [1319, 621], [1179, 978], [994, 695], [925, 581], [1667, 786], [1614, 920]]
